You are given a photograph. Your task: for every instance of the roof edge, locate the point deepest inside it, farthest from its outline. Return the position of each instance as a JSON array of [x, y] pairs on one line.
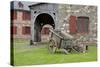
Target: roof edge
[[36, 4]]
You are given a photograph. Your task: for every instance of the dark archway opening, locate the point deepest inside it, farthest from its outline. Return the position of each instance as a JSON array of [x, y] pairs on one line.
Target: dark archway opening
[[41, 20]]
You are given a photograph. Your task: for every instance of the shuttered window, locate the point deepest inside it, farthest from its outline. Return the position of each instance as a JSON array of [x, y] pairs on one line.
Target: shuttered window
[[45, 31], [26, 15], [26, 30], [82, 24], [72, 24]]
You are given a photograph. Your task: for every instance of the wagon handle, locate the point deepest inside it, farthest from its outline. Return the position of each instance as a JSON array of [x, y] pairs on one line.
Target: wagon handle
[[55, 33]]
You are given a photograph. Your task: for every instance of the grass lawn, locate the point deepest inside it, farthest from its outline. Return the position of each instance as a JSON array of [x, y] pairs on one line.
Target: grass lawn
[[24, 54]]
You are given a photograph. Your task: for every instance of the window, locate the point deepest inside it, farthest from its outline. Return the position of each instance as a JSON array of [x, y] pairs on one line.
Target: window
[[83, 24], [45, 31], [26, 15], [20, 5], [13, 30], [79, 24], [13, 14], [26, 30]]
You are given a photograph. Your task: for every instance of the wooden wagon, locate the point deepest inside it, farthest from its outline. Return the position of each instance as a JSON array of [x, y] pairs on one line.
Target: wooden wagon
[[65, 42]]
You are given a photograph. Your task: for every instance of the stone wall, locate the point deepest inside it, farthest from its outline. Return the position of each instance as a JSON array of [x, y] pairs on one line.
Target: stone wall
[[65, 11]]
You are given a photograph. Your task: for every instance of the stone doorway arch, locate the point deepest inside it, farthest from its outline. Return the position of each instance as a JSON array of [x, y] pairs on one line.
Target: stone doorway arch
[[41, 20], [42, 14]]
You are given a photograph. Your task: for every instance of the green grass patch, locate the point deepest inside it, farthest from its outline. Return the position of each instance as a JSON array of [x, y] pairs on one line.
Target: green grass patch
[[24, 54]]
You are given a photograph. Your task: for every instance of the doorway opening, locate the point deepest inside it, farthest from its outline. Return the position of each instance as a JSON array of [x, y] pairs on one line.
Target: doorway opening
[[42, 24]]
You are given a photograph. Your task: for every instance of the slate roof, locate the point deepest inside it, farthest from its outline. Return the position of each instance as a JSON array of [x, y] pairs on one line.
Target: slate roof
[[21, 5]]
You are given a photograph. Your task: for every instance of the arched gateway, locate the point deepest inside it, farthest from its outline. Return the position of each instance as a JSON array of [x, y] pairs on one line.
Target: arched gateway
[[42, 14]]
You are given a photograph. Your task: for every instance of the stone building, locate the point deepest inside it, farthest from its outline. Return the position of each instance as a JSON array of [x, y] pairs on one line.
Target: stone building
[[20, 20], [74, 19], [34, 20], [71, 14]]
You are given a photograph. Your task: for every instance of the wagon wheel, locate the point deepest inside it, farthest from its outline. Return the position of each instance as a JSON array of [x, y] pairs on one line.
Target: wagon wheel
[[52, 46]]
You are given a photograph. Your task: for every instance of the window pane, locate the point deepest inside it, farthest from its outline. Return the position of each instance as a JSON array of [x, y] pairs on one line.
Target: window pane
[[82, 24], [79, 25], [45, 31], [86, 21], [26, 30], [26, 16]]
